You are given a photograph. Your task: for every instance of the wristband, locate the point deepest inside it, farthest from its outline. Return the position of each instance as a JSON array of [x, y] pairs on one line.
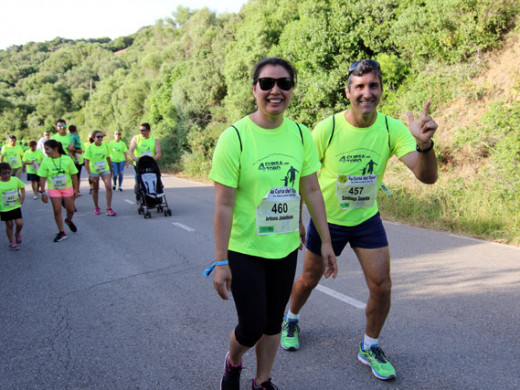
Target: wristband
[[210, 269], [424, 150]]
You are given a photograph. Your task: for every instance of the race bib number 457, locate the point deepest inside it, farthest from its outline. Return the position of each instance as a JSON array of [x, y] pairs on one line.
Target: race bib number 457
[[356, 191]]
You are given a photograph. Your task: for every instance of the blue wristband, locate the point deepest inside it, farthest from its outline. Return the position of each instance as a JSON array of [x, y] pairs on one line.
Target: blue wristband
[[210, 269]]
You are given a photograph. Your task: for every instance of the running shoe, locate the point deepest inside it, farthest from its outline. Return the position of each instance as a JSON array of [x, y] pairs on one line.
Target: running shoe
[[290, 331], [97, 211], [231, 377], [376, 359], [71, 226], [120, 189], [110, 212], [35, 197], [114, 187], [267, 385], [18, 238], [90, 191], [13, 247], [60, 237]]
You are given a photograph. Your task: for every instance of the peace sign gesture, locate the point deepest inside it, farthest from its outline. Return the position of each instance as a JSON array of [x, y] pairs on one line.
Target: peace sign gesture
[[423, 127]]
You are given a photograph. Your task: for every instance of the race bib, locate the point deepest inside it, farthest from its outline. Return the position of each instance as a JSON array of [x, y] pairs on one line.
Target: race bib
[[146, 153], [14, 161], [35, 166], [59, 182], [10, 198], [356, 191], [278, 212], [100, 166]]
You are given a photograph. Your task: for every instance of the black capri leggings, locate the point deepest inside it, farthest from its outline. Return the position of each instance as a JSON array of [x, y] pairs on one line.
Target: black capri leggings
[[261, 289]]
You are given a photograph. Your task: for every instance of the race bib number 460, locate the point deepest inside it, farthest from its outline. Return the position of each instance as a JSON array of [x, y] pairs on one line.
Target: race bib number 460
[[278, 212], [356, 191]]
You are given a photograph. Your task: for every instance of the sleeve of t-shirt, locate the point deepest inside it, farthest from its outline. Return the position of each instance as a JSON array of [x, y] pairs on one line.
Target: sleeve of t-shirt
[[402, 141], [87, 153], [311, 162], [71, 167], [42, 171], [20, 184], [225, 167]]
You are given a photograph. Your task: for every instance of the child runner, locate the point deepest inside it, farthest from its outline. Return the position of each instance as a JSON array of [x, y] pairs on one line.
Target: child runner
[[12, 191], [60, 173], [32, 160]]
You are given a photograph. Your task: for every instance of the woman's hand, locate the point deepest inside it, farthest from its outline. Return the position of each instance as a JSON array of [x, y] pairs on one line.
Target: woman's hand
[[222, 280]]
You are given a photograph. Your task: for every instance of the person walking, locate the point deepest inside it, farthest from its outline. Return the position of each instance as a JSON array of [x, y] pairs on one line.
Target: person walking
[[60, 174], [32, 160], [98, 165], [12, 153], [12, 192], [119, 158], [45, 137], [257, 221], [348, 143]]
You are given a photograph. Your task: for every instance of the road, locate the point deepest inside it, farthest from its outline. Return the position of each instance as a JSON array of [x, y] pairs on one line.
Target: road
[[122, 304]]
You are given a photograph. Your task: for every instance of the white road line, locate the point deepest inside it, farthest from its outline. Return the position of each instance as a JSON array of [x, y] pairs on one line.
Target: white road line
[[341, 297], [183, 226], [129, 201]]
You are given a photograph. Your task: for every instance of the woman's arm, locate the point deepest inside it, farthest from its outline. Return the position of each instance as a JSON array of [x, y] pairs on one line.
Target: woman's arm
[[224, 204], [311, 192]]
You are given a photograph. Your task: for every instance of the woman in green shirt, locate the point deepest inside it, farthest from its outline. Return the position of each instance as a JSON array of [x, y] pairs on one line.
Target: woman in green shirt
[[60, 174], [98, 164], [261, 164]]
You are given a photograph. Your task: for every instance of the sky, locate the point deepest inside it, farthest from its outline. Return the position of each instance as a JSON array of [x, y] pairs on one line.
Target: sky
[[23, 21]]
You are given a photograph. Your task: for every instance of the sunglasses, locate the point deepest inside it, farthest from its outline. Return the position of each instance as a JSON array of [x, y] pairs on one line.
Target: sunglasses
[[99, 136], [354, 66], [267, 83], [63, 126], [143, 130], [5, 173]]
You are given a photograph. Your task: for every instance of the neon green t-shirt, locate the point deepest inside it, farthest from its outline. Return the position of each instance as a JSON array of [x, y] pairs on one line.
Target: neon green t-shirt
[[9, 195], [13, 155], [37, 157], [117, 150], [354, 162], [64, 139], [97, 156], [144, 146], [58, 171], [266, 174]]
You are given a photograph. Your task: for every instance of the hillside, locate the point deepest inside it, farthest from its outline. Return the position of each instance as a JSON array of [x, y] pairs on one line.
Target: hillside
[[189, 77]]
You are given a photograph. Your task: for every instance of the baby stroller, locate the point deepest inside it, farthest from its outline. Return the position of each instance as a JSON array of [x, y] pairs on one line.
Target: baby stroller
[[149, 188]]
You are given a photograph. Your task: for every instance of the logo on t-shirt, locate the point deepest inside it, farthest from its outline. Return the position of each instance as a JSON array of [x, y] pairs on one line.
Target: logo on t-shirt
[[285, 168], [364, 161]]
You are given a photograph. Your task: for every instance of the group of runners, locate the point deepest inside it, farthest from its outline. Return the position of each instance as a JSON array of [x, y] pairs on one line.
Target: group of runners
[[53, 165], [337, 170]]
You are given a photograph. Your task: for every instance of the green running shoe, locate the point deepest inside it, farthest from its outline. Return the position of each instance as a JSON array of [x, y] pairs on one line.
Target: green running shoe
[[376, 359], [290, 331]]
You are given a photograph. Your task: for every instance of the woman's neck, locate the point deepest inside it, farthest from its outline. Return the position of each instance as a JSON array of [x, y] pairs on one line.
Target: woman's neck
[[266, 122]]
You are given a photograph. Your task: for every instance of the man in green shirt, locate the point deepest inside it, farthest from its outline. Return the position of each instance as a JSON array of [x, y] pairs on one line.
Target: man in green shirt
[[144, 145], [64, 137], [354, 147]]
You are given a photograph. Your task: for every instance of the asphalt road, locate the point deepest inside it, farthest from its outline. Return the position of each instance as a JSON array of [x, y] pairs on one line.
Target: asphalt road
[[122, 304]]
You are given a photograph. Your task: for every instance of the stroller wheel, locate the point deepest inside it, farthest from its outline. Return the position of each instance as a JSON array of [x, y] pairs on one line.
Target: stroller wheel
[[159, 209], [140, 210], [147, 215], [167, 213]]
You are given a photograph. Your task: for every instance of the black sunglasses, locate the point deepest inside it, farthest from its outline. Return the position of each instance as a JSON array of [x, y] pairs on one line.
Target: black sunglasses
[[284, 83], [99, 136], [353, 67], [143, 130]]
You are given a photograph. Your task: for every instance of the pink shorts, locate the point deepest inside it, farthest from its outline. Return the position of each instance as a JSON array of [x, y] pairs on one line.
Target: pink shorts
[[66, 193]]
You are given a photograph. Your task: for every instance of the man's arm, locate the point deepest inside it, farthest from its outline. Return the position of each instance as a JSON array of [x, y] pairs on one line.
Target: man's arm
[[131, 150], [422, 163], [158, 153]]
